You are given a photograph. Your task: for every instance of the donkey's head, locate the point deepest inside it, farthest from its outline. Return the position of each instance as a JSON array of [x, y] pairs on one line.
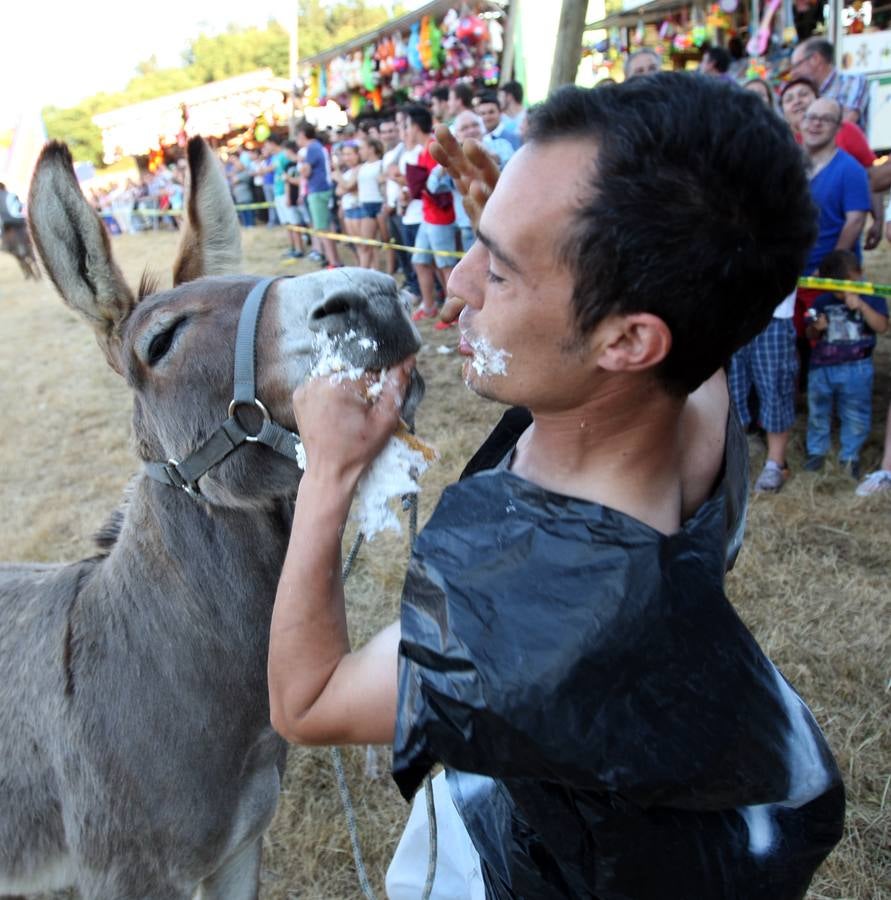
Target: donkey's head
[[176, 348]]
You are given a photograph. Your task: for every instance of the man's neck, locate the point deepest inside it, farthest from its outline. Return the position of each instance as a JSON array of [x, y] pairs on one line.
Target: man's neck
[[621, 449], [821, 156]]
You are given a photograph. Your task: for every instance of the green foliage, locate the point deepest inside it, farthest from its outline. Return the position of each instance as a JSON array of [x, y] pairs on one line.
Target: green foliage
[[323, 25], [207, 58]]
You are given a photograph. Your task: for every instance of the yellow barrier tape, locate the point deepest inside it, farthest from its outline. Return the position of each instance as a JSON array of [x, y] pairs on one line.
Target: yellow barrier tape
[[371, 242], [838, 284]]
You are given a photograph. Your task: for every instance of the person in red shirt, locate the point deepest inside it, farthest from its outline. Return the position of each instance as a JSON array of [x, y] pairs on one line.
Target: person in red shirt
[[436, 235], [797, 95]]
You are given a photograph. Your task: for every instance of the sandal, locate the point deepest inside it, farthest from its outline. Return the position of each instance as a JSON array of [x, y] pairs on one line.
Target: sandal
[[421, 313]]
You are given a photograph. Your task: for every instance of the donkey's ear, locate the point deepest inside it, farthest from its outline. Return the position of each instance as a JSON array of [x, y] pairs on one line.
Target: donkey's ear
[[211, 241], [75, 249]]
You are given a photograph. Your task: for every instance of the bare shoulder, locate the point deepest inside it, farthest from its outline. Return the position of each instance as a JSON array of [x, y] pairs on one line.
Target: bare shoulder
[[703, 432]]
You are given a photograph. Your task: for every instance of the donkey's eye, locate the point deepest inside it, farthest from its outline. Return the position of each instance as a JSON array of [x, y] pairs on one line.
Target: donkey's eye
[[162, 342]]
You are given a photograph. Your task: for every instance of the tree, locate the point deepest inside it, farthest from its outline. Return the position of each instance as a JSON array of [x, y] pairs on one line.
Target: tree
[[213, 57]]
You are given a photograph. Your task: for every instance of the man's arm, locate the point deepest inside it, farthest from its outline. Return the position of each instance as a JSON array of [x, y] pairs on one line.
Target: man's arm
[[874, 233], [854, 222], [880, 177], [320, 692]]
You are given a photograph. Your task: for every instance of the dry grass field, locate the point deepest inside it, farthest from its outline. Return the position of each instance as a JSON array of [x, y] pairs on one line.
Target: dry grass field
[[812, 581]]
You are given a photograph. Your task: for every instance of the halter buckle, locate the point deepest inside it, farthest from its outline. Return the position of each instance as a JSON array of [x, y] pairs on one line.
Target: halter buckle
[[172, 468]]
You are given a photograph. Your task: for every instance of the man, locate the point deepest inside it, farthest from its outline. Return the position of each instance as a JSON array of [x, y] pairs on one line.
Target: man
[[494, 122], [317, 171], [815, 59], [839, 184], [460, 99], [436, 235], [284, 162], [393, 150], [510, 98], [607, 725], [715, 62], [439, 105], [642, 62]]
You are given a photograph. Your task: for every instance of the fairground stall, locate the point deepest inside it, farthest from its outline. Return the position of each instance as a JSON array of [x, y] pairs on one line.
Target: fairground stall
[[439, 43], [860, 31], [677, 31], [257, 101]]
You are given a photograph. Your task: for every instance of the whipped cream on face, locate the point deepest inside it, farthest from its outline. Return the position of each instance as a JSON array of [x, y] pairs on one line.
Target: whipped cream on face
[[488, 360]]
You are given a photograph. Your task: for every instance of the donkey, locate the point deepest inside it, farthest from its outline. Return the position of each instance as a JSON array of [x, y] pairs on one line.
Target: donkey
[[137, 758]]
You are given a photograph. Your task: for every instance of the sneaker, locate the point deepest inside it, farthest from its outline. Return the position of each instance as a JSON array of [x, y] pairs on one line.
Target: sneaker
[[315, 256], [772, 478], [851, 467], [421, 313], [875, 483], [444, 326], [814, 463]]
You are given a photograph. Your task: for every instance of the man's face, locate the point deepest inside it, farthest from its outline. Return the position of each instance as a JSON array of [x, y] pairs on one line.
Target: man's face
[[455, 104], [707, 66], [642, 64], [490, 113], [518, 290], [804, 63], [439, 108], [795, 102], [467, 126], [389, 134], [820, 124]]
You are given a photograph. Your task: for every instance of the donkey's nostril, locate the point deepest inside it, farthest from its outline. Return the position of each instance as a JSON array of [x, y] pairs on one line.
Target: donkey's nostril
[[337, 305]]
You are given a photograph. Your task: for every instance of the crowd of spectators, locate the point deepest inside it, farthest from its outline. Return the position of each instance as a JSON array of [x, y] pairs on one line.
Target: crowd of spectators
[[376, 182]]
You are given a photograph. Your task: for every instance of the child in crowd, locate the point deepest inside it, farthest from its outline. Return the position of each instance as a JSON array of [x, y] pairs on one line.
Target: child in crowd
[[843, 326]]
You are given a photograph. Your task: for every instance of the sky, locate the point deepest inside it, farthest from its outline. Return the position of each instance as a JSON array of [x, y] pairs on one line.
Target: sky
[[59, 53]]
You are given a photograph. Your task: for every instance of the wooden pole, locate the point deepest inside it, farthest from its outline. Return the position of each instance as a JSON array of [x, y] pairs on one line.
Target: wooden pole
[[293, 51], [568, 49], [507, 55]]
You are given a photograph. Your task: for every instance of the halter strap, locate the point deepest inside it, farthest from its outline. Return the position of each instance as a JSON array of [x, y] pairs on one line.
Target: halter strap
[[231, 434]]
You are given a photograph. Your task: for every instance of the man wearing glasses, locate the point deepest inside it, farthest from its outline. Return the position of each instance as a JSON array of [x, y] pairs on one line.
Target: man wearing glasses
[[839, 184], [814, 59]]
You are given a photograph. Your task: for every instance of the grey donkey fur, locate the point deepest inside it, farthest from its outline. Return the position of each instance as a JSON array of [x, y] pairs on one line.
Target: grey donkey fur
[[136, 755]]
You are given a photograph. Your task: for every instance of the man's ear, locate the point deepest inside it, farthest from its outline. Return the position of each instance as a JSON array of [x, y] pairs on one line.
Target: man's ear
[[632, 343]]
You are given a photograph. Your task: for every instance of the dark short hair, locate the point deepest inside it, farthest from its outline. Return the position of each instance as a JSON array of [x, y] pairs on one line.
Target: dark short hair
[[440, 93], [514, 89], [420, 116], [487, 97], [839, 264], [464, 92], [290, 145], [800, 80], [696, 209], [720, 57], [307, 129]]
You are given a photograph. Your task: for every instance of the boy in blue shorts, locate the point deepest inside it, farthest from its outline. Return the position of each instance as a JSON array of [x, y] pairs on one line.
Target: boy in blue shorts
[[844, 326]]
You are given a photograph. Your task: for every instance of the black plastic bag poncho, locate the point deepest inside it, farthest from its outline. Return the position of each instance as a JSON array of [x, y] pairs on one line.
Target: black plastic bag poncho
[[609, 727]]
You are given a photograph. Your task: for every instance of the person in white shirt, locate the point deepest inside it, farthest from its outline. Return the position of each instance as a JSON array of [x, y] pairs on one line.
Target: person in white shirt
[[371, 200]]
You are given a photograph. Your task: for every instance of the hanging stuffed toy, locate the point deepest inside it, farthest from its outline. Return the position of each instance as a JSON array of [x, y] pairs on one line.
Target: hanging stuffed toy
[[400, 54], [414, 57], [425, 50], [437, 55], [369, 81]]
